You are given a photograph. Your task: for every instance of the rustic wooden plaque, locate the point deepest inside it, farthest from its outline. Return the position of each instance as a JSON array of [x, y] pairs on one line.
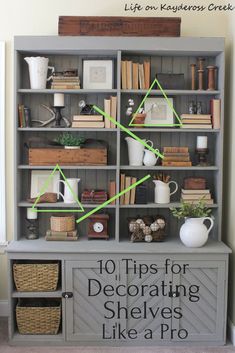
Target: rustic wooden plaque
[[119, 26]]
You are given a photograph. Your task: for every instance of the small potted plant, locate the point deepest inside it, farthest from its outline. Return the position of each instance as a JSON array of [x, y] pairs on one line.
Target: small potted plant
[[69, 141], [193, 233], [138, 117]]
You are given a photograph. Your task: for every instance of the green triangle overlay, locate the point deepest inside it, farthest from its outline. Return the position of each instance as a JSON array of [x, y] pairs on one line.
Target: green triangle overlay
[[43, 190], [155, 81]]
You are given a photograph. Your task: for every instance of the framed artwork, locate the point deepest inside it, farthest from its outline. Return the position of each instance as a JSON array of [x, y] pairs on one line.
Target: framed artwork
[[97, 74], [158, 111], [2, 149], [40, 179]]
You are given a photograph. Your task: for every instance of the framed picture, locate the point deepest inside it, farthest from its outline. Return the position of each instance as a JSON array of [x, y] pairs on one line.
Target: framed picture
[[159, 111], [40, 179], [97, 74]]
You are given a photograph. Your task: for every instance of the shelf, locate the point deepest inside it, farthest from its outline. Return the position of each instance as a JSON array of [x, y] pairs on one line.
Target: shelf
[[174, 130], [55, 294], [160, 205], [61, 205], [32, 339], [179, 92], [159, 167], [43, 129], [66, 91], [90, 167]]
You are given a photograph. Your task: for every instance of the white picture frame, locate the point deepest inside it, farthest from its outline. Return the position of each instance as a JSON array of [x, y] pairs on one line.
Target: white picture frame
[[3, 238], [158, 111], [97, 74], [38, 180]]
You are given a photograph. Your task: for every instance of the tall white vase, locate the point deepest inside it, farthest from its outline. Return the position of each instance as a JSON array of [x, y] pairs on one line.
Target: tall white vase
[[38, 68], [194, 233]]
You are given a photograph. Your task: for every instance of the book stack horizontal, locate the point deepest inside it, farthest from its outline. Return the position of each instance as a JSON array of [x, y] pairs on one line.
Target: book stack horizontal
[[135, 75], [176, 157], [193, 196], [94, 196], [196, 121], [61, 236], [110, 108], [88, 121], [66, 80], [129, 197]]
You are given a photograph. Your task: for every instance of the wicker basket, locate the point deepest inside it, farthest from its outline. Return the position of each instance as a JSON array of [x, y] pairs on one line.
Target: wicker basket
[[62, 223], [36, 277], [38, 320]]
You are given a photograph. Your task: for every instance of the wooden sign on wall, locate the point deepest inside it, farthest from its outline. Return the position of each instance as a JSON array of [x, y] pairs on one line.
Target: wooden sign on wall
[[119, 26]]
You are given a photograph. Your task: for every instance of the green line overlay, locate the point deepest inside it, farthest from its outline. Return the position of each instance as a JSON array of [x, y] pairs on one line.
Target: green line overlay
[[113, 198], [155, 81], [44, 188], [127, 131]]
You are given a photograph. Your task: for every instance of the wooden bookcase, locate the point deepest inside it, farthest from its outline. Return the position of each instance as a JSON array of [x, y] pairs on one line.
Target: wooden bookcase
[[165, 55]]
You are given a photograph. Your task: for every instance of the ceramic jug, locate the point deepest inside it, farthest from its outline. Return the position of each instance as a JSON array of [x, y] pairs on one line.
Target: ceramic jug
[[150, 158], [38, 68], [162, 191], [136, 151], [68, 196], [194, 233]]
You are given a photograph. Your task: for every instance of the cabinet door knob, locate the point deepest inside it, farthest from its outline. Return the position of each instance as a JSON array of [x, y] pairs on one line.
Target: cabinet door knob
[[67, 295]]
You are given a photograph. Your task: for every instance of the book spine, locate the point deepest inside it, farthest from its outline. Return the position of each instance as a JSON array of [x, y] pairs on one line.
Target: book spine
[[176, 164], [176, 149], [124, 74], [107, 104], [147, 74]]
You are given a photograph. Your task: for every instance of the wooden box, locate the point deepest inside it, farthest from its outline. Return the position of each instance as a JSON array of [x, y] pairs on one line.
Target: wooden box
[[119, 26], [52, 156], [195, 183]]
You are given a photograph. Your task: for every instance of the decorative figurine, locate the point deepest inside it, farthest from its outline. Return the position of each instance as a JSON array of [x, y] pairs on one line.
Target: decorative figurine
[[192, 108], [86, 109], [199, 108]]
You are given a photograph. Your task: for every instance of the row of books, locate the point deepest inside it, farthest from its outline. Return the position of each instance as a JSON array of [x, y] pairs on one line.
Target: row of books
[[98, 121], [176, 157], [129, 197], [65, 82], [193, 196], [203, 121], [135, 75], [24, 115]]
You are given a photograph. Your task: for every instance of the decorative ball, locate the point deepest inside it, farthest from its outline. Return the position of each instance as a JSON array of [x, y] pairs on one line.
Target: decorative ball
[[161, 223], [132, 226], [139, 221], [148, 238], [147, 230], [154, 226], [142, 225]]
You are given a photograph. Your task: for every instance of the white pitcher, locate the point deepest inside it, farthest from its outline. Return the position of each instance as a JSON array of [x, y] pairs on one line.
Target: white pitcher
[[194, 233], [136, 151], [150, 158], [68, 196], [162, 191], [38, 67]]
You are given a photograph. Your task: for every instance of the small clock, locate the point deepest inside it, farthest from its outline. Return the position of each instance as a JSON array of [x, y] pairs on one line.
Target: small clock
[[98, 226]]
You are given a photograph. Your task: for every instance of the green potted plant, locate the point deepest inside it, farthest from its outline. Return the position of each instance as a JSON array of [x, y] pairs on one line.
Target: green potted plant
[[193, 233], [70, 141]]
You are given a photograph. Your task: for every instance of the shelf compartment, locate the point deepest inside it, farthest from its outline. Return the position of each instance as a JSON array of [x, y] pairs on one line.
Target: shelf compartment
[[61, 205], [82, 167], [174, 130], [158, 205], [180, 92], [66, 91], [46, 129], [159, 167]]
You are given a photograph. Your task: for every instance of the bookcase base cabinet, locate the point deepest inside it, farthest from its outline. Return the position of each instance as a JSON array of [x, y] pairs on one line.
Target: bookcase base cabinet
[[137, 299]]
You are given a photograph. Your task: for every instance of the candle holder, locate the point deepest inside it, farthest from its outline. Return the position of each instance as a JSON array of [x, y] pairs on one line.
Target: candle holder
[[58, 116], [32, 229], [202, 156]]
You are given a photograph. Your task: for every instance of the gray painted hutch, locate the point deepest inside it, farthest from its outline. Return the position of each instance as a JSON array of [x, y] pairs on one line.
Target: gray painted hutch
[[82, 316]]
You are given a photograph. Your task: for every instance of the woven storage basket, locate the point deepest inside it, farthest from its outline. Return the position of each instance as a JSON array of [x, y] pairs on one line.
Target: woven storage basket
[[36, 277], [62, 223], [38, 320]]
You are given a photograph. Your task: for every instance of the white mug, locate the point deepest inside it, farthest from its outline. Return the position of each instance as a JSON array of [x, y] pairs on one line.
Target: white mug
[[69, 196]]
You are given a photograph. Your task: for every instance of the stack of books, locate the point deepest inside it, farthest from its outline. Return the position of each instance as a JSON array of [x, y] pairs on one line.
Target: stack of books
[[129, 197], [24, 115], [94, 196], [68, 80], [59, 236], [135, 75], [196, 121], [176, 157], [110, 108], [193, 196], [88, 121]]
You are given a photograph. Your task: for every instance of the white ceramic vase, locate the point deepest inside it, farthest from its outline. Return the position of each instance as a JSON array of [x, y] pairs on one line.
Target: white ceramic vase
[[70, 190], [162, 191], [136, 151], [38, 68], [194, 233]]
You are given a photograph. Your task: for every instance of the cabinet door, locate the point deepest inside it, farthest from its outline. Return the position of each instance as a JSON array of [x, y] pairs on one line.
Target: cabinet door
[[151, 305], [204, 319], [84, 313]]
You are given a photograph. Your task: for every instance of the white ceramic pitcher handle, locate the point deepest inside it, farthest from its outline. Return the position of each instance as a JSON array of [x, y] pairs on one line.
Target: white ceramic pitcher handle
[[58, 188], [176, 186], [149, 143], [52, 71], [211, 221]]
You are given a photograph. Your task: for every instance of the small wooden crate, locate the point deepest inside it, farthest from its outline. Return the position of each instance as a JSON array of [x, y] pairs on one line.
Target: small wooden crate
[[119, 26], [83, 156]]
